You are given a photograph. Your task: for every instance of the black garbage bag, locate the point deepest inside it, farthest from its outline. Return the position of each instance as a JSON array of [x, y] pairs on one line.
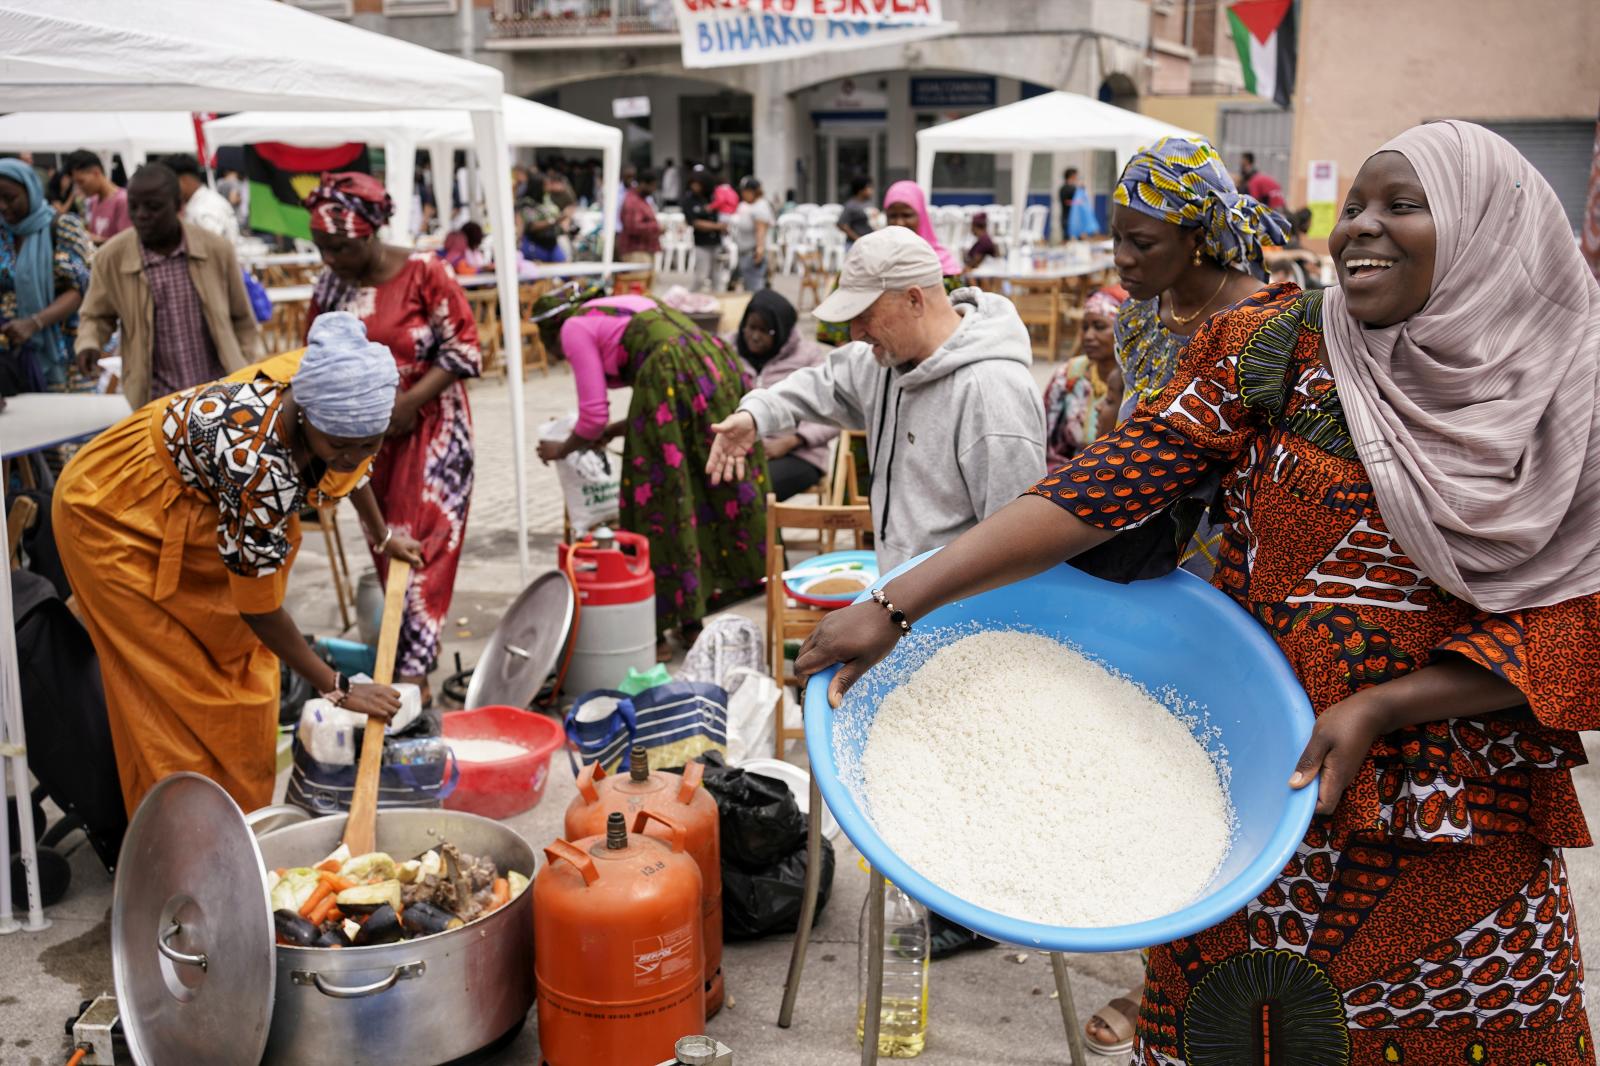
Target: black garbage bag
[[761, 823], [768, 901]]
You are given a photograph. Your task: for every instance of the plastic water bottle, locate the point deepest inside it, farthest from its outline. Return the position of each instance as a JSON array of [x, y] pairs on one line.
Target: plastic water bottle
[[903, 1019]]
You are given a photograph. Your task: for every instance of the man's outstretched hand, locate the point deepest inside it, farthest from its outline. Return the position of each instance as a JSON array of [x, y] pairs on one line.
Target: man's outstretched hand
[[735, 438]]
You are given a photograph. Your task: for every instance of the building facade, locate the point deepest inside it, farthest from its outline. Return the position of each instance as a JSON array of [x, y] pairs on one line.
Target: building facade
[[1526, 68], [810, 125]]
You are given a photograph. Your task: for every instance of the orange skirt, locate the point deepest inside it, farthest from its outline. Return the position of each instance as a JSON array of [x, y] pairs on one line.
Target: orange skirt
[[188, 685]]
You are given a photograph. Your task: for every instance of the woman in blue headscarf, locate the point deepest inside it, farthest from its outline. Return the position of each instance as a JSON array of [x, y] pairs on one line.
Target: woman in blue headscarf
[[44, 272], [177, 529]]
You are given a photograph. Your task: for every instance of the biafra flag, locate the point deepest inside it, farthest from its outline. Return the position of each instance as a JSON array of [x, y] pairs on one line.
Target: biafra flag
[[282, 176]]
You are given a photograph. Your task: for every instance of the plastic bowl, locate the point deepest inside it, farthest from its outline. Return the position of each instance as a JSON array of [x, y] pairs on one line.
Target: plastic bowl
[[1175, 631], [798, 588], [509, 786]]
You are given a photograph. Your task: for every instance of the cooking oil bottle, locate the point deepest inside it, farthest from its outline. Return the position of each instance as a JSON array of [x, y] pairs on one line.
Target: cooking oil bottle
[[903, 1020]]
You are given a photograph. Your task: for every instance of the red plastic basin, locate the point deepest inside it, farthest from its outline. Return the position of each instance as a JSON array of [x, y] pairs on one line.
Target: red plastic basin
[[508, 786]]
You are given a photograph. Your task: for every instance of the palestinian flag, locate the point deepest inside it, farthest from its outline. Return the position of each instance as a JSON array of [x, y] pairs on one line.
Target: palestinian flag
[[281, 176], [1264, 34]]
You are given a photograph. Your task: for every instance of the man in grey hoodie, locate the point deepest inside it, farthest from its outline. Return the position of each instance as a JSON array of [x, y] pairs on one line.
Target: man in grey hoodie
[[940, 384]]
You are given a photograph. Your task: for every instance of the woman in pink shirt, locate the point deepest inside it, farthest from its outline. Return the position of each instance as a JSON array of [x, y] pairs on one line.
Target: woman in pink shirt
[[707, 544]]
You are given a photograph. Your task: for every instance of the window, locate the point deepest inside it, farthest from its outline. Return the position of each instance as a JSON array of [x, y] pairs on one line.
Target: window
[[336, 9], [419, 7]]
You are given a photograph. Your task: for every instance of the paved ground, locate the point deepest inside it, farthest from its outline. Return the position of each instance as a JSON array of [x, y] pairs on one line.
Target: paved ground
[[991, 1007]]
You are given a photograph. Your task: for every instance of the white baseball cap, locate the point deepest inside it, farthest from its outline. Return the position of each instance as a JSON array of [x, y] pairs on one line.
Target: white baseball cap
[[891, 259]]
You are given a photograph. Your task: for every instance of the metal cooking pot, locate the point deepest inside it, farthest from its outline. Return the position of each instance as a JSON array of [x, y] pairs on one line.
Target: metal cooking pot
[[199, 977]]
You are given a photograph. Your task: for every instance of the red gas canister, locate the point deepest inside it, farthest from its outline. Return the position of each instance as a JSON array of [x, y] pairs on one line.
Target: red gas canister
[[616, 592], [619, 965], [681, 799]]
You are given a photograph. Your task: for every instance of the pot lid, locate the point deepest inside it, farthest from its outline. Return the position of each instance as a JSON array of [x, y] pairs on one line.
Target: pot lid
[[191, 930], [524, 647]]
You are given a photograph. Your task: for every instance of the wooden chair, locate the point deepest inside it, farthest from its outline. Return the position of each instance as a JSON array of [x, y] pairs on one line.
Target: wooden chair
[[344, 588], [533, 352], [485, 303], [24, 512], [1039, 306], [787, 621], [816, 280], [286, 330]]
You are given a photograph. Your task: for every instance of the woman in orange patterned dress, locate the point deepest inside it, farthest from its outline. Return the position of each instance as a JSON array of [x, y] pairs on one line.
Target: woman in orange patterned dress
[[1432, 579], [177, 528]]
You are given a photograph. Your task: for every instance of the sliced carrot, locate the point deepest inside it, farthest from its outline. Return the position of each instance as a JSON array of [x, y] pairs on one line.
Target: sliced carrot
[[280, 871], [321, 892], [335, 915], [339, 884], [328, 866], [319, 913], [502, 894]]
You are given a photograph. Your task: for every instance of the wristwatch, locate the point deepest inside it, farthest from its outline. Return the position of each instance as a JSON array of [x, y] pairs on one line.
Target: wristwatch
[[340, 690]]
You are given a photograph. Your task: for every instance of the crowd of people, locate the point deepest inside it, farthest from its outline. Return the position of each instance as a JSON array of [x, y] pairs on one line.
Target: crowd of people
[[1395, 476]]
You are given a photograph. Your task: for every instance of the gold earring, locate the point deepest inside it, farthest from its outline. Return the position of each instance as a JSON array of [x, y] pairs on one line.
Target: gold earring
[[1198, 258]]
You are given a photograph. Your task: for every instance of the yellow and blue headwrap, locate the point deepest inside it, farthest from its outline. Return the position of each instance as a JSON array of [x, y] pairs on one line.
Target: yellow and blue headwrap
[[1185, 183]]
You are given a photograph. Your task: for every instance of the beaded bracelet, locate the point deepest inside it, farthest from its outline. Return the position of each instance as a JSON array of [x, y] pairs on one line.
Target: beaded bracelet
[[896, 616]]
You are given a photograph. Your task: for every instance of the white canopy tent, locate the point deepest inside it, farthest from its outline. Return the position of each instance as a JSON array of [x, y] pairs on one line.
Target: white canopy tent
[[402, 133], [232, 55], [1053, 122], [134, 135]]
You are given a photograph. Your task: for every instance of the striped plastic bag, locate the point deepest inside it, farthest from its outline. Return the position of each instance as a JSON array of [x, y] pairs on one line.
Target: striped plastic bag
[[675, 723]]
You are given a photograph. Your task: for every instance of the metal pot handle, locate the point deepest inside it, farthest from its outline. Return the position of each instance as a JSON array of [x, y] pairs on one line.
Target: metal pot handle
[[286, 813], [399, 973], [164, 945]]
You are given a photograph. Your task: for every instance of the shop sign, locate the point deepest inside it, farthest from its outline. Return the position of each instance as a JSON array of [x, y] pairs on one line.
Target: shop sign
[[1322, 195], [630, 107], [720, 33], [975, 93]]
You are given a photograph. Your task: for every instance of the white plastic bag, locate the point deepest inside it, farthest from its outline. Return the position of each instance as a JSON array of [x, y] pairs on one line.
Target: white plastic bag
[[591, 481], [327, 732], [751, 702]]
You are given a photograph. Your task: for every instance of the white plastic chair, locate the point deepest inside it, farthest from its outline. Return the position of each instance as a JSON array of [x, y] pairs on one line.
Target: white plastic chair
[[1035, 222]]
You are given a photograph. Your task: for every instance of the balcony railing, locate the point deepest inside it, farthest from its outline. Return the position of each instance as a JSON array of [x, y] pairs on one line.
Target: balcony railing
[[513, 19]]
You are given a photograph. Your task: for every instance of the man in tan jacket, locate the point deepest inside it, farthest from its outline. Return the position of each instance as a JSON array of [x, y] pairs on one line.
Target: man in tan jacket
[[177, 293]]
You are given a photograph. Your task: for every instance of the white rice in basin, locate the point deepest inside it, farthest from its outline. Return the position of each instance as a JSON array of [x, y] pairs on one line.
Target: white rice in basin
[[1015, 773]]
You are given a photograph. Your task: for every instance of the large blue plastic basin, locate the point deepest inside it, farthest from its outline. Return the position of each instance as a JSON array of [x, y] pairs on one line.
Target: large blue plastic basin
[[1174, 632]]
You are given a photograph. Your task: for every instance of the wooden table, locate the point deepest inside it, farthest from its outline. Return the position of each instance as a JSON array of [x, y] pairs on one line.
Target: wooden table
[[1000, 269], [1050, 297]]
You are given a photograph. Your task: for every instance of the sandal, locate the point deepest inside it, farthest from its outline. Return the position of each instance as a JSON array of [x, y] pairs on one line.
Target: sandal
[[1120, 1017]]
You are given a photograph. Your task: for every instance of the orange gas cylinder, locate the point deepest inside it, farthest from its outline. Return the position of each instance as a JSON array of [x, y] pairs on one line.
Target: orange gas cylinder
[[620, 967], [683, 800]]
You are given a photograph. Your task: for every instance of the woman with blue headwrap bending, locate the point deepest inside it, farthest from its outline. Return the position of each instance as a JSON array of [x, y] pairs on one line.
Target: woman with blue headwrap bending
[[177, 529], [44, 271]]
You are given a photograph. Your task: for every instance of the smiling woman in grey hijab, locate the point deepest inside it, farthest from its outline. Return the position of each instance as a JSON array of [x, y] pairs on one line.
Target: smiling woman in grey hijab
[[1407, 486], [1476, 417]]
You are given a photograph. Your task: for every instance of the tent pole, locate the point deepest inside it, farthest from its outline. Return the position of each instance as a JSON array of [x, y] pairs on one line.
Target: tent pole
[[400, 177], [14, 756], [610, 178], [489, 129]]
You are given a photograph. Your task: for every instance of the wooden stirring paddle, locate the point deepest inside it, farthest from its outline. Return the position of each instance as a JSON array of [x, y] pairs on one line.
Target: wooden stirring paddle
[[361, 828]]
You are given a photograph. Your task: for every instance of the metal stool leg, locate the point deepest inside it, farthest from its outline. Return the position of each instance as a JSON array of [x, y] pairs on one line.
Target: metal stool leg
[[1069, 1009], [874, 1008], [808, 902]]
